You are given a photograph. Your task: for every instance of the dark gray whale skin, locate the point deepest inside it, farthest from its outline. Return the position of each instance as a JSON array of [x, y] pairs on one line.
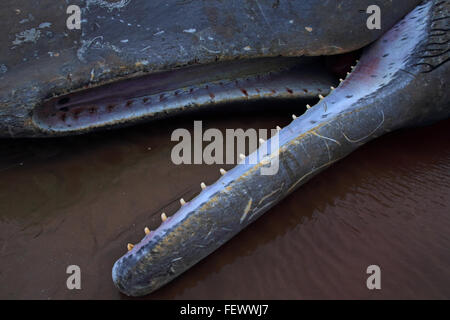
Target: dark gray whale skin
[[400, 81], [41, 58]]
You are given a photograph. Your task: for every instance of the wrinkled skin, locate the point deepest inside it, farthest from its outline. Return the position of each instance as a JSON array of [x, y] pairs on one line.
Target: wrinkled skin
[[400, 81]]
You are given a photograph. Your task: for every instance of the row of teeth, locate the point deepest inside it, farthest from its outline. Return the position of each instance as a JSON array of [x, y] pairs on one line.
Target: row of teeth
[[222, 171]]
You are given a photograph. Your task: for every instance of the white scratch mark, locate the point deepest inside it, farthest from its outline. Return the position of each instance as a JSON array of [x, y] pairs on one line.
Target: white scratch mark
[[311, 172], [358, 140], [45, 25], [147, 47], [304, 149], [260, 209], [269, 195], [316, 134], [109, 5], [264, 16], [209, 50], [246, 210], [192, 30], [328, 149]]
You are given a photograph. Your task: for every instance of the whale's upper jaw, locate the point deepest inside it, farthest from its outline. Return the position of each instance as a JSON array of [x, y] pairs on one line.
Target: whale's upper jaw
[[41, 58], [162, 94]]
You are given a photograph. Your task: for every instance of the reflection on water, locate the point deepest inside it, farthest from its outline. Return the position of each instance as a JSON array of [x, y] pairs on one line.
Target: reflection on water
[[80, 200]]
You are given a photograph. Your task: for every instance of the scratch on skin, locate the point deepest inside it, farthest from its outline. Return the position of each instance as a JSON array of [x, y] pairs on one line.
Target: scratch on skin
[[246, 210], [85, 45], [328, 149], [316, 134], [109, 5], [304, 149], [269, 195], [311, 172], [262, 13], [260, 209], [209, 50], [147, 47], [358, 140]]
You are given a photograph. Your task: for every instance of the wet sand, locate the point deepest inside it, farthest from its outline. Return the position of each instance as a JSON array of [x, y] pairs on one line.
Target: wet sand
[[80, 200]]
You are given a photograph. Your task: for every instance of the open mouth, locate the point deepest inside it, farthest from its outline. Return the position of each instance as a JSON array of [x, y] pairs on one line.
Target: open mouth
[[189, 88], [173, 57], [397, 81], [383, 92]]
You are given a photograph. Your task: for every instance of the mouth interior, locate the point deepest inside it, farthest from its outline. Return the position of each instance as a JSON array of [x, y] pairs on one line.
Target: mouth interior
[[158, 94]]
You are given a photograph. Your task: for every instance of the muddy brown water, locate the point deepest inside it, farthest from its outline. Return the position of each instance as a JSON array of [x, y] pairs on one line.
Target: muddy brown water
[[80, 200]]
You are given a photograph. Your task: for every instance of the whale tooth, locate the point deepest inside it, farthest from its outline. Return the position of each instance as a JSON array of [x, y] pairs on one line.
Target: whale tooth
[[241, 156], [294, 117], [332, 88], [308, 106], [222, 171], [261, 141], [352, 67], [278, 128], [357, 60], [130, 246], [182, 202], [203, 185], [163, 217], [147, 230], [320, 96], [348, 73], [340, 80]]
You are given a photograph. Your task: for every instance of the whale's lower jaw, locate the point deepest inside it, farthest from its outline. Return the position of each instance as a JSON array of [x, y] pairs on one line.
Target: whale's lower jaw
[[399, 81]]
